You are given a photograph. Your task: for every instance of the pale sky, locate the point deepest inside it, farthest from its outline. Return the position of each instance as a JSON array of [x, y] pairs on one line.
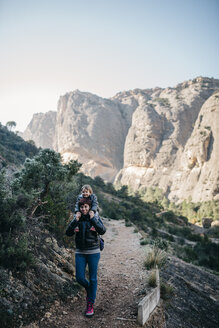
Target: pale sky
[[50, 47]]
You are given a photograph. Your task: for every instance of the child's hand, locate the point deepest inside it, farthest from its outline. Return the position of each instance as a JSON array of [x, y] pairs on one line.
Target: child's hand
[[78, 215], [91, 214]]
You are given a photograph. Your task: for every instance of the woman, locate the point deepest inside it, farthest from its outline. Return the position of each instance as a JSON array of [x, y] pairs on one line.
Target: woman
[[87, 227]]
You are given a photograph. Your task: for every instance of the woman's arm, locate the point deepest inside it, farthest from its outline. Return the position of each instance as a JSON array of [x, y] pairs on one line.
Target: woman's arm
[[72, 225]]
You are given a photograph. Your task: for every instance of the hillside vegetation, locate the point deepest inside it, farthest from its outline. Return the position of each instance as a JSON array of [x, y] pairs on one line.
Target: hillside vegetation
[[35, 268], [172, 229], [13, 149], [35, 208]]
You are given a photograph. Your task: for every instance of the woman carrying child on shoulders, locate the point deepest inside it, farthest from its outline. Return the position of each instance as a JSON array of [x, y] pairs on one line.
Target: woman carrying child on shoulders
[[87, 227]]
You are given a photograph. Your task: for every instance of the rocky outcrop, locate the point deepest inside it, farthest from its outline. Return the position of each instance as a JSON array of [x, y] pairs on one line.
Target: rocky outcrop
[[28, 295], [92, 130], [197, 173], [41, 129], [162, 133], [166, 138], [143, 140]]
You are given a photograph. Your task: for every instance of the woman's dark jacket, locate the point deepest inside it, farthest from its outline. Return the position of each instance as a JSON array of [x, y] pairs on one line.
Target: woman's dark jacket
[[86, 231], [94, 203]]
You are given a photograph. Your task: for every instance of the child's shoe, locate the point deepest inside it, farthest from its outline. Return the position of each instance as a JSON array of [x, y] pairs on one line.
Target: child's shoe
[[90, 309]]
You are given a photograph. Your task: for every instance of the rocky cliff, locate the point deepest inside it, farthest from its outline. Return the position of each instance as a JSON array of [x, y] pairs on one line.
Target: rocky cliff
[[41, 129], [165, 137], [154, 137], [197, 171], [93, 131]]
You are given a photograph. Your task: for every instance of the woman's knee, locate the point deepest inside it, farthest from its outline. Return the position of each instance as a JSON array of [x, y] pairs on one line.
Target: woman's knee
[[93, 281], [81, 280]]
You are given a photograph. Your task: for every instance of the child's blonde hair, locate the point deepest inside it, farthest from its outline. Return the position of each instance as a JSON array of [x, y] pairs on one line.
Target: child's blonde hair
[[88, 187]]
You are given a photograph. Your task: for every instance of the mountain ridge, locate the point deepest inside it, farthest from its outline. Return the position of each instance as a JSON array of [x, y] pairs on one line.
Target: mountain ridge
[[137, 137]]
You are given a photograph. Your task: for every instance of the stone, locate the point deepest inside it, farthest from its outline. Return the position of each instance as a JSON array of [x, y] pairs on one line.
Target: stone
[[215, 223], [206, 223], [47, 314]]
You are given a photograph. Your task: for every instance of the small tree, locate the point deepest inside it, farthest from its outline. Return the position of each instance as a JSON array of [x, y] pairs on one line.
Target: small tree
[[32, 142], [44, 168], [11, 125]]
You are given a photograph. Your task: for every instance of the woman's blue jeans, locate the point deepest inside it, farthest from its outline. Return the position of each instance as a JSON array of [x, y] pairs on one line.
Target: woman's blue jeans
[[81, 260]]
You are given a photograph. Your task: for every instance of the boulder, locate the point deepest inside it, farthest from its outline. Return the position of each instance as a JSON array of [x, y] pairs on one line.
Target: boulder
[[206, 223]]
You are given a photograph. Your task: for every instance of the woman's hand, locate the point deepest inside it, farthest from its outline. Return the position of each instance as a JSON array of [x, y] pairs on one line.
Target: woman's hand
[[78, 215], [91, 214]]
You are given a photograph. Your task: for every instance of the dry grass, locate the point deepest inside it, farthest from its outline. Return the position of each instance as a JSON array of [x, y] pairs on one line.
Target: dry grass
[[155, 257], [166, 290], [152, 280]]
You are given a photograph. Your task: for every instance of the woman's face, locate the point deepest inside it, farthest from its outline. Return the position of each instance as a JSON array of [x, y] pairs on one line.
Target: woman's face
[[84, 209]]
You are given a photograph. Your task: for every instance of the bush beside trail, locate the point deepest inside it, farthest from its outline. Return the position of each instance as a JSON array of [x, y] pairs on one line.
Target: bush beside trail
[[35, 267]]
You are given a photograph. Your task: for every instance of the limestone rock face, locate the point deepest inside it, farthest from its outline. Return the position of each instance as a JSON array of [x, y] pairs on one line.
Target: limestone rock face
[[198, 169], [144, 137], [93, 131], [170, 143], [166, 138], [41, 129]]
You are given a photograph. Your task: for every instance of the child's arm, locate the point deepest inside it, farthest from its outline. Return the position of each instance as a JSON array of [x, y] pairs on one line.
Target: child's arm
[[94, 203]]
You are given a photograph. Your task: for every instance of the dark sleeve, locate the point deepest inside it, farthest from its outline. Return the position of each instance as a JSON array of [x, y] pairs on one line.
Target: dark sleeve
[[72, 225], [94, 204], [76, 205], [98, 225]]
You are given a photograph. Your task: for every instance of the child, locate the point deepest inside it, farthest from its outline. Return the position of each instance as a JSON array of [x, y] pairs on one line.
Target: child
[[87, 192], [87, 248]]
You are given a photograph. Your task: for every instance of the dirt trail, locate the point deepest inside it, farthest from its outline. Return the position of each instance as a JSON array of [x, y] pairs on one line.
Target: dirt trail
[[121, 283]]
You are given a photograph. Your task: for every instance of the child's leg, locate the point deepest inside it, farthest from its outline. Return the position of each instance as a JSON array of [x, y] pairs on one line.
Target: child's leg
[[80, 265], [93, 260]]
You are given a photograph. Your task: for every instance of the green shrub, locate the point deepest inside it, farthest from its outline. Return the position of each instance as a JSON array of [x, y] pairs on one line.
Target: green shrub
[[14, 149], [166, 290], [163, 101], [154, 232], [41, 188], [145, 241], [213, 232], [195, 237], [181, 241], [160, 243], [169, 216], [190, 254], [207, 254], [128, 223], [16, 255]]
